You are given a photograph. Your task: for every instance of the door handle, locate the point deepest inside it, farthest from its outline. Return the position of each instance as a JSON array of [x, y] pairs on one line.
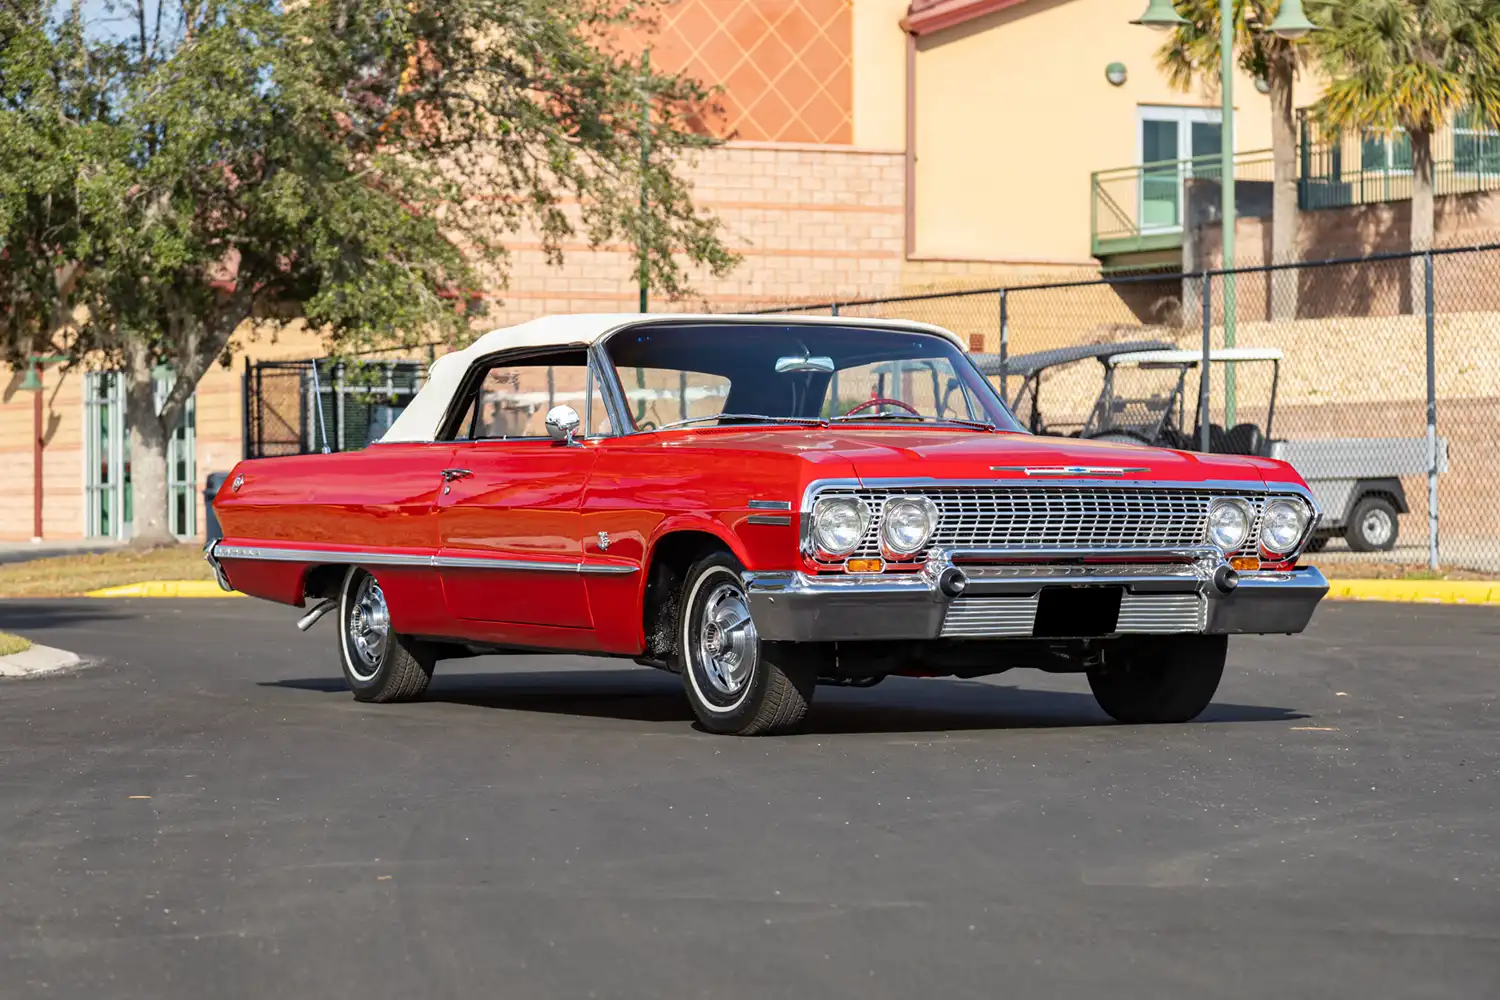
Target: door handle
[[451, 474]]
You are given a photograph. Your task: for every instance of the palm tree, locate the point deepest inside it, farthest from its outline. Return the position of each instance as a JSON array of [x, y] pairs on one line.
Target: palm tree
[[1191, 55], [1410, 65]]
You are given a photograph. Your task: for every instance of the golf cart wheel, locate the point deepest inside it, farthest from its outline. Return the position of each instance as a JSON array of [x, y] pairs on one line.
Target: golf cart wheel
[[1170, 679], [1373, 526], [379, 663]]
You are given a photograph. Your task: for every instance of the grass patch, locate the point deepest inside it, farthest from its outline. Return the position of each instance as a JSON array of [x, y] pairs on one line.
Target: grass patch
[[64, 576], [13, 644]]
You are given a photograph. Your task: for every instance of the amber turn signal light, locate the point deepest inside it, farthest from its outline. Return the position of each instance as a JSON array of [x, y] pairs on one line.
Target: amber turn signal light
[[864, 565], [1242, 563]]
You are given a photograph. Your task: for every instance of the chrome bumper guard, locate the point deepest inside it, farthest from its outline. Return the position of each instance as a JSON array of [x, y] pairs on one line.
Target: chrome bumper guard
[[965, 600], [213, 561]]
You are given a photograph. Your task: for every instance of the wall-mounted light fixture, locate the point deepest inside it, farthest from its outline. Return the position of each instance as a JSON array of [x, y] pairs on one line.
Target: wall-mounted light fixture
[[1115, 73]]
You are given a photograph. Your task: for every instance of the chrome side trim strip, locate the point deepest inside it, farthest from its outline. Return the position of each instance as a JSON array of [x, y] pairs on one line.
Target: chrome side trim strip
[[371, 558], [783, 520], [769, 505]]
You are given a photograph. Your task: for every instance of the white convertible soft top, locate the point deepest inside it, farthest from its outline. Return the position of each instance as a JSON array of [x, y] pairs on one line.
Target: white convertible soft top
[[419, 421]]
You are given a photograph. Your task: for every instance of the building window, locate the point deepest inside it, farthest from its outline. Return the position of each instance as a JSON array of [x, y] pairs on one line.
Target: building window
[[1385, 153], [1476, 148], [1174, 145], [108, 507]]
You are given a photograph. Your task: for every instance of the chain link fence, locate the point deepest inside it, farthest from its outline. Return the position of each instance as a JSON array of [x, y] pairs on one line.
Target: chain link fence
[[1377, 377]]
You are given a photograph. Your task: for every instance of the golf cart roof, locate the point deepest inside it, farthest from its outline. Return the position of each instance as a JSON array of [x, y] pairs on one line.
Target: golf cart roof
[[1026, 365], [1194, 357]]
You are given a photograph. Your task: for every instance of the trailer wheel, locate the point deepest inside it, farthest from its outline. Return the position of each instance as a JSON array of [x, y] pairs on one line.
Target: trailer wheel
[[1373, 526]]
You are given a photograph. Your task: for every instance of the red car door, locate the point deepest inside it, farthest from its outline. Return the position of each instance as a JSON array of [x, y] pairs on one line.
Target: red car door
[[510, 524]]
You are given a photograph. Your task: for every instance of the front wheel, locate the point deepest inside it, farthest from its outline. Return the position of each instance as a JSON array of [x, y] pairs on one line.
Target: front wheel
[[379, 663], [1171, 679], [737, 684]]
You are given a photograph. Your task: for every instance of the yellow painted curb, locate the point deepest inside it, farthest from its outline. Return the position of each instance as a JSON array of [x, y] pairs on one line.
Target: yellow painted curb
[[1418, 591], [165, 588]]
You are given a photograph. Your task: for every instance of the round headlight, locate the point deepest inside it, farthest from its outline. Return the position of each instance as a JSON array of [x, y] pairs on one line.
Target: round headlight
[[1282, 525], [1228, 523], [838, 524], [907, 524]]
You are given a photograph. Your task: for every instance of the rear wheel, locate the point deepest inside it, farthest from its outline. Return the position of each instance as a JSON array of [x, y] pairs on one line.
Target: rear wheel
[[737, 684], [379, 663], [1171, 679]]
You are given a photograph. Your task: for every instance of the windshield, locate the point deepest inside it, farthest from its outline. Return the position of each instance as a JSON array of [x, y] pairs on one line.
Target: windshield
[[726, 373]]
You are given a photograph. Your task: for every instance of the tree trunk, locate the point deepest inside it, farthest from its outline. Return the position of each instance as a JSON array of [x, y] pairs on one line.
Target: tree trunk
[[1422, 212], [148, 454], [1284, 208]]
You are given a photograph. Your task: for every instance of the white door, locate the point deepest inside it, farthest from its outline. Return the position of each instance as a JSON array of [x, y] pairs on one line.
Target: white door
[[1173, 144]]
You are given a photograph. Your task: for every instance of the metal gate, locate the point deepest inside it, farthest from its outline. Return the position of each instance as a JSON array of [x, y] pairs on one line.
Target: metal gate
[[294, 407]]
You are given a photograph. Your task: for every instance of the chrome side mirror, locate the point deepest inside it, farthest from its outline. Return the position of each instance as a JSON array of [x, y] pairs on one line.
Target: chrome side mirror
[[562, 423]]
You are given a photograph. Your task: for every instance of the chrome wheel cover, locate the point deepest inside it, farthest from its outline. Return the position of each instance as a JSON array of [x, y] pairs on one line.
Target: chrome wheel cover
[[723, 645], [1377, 526], [368, 627]]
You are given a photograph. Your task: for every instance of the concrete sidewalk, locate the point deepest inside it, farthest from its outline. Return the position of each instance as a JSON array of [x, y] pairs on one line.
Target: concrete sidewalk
[[19, 552]]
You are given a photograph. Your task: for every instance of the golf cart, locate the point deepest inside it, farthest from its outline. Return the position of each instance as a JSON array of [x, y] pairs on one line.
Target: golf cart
[[1356, 481], [1025, 403], [1144, 399]]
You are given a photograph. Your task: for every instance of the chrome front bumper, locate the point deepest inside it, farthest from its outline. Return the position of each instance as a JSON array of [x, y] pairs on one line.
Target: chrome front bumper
[[1000, 601]]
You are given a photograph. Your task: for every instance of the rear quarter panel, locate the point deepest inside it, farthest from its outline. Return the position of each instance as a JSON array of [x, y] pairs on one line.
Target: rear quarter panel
[[382, 498]]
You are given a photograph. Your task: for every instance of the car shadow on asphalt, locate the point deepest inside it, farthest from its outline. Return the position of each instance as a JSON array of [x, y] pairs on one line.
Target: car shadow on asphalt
[[899, 705], [27, 616]]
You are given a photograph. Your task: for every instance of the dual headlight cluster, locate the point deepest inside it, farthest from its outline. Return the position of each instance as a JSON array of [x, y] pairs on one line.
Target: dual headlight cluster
[[839, 523], [1282, 524]]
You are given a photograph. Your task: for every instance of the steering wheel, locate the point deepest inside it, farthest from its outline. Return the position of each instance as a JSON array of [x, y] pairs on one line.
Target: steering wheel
[[883, 401]]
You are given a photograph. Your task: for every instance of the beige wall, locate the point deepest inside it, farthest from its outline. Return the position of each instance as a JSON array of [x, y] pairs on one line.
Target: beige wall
[[1014, 112], [879, 74]]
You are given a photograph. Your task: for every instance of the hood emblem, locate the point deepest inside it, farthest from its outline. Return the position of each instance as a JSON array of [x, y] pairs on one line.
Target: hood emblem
[[239, 481], [603, 541], [1070, 470]]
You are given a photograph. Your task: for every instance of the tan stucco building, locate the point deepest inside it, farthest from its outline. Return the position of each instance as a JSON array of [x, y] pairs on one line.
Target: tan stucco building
[[873, 147]]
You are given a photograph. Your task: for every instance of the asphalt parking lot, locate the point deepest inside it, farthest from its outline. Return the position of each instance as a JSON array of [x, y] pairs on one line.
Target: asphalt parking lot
[[204, 812]]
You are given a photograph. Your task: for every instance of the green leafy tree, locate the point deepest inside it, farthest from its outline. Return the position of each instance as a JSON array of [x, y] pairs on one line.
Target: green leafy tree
[[1410, 65], [361, 163], [1190, 56]]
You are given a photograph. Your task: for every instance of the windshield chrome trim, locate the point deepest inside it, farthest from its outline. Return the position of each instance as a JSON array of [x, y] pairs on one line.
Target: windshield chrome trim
[[599, 349]]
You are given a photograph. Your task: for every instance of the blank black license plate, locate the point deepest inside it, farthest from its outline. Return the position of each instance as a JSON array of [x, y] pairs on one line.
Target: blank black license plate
[[1077, 612]]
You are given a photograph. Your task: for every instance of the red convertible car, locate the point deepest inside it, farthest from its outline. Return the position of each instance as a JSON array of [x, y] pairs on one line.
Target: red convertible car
[[763, 504]]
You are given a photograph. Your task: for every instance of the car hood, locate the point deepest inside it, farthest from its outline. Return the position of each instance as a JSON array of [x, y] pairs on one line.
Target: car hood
[[890, 453]]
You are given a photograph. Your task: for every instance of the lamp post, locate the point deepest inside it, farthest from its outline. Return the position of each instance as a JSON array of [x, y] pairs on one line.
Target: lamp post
[[1290, 24], [32, 383]]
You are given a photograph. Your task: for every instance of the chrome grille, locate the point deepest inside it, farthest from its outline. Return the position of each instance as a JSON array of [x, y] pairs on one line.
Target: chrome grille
[[1009, 617], [1043, 518]]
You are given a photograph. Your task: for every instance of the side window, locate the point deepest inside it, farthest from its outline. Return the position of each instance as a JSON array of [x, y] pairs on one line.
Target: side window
[[510, 399]]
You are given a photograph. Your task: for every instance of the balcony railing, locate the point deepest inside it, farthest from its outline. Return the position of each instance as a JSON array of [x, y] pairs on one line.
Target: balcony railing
[[1145, 208]]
